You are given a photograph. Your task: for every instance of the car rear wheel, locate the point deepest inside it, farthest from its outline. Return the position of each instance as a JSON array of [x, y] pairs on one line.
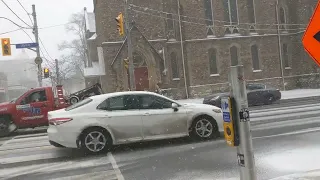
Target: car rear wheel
[[204, 128], [96, 140]]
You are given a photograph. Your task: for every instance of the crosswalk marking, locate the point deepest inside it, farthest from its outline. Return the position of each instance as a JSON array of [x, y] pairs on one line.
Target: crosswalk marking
[[32, 157]]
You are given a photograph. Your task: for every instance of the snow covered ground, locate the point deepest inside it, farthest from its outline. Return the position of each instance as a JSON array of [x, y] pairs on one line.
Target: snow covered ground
[[291, 94], [312, 175], [299, 93]]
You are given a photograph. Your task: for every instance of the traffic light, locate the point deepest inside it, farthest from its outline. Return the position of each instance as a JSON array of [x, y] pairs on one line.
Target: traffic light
[[46, 73], [6, 47], [120, 24], [126, 63]]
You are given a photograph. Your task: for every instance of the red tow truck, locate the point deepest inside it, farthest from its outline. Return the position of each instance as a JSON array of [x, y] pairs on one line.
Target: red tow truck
[[31, 109]]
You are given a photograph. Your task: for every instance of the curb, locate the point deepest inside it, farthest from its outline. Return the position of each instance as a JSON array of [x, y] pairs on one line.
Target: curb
[[288, 118], [300, 99]]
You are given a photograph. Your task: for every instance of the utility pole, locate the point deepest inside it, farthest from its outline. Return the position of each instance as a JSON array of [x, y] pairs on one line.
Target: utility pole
[[279, 45], [244, 150], [182, 53], [57, 72], [38, 59], [130, 56]]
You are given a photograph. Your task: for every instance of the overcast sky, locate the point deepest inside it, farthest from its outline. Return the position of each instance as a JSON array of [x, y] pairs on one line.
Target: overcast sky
[[49, 13]]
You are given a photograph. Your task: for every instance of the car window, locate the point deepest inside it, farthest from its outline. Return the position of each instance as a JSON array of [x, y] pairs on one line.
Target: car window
[[255, 86], [79, 104], [37, 96], [153, 102], [119, 103]]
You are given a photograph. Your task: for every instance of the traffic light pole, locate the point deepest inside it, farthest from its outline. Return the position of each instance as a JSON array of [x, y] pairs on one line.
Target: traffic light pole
[[36, 35], [57, 72], [244, 150], [130, 55]]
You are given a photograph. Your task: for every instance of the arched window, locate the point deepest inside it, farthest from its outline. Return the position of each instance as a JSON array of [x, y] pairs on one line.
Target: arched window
[[170, 22], [251, 11], [282, 15], [285, 55], [138, 60], [174, 65], [234, 56], [208, 12], [212, 53], [255, 57], [231, 11]]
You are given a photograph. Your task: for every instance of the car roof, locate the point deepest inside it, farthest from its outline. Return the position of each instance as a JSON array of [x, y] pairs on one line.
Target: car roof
[[108, 95]]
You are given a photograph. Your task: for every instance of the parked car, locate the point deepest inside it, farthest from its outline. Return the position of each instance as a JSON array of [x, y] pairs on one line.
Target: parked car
[[257, 94], [98, 122]]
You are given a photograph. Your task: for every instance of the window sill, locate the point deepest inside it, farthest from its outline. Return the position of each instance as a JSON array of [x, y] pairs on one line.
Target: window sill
[[211, 36], [255, 71], [176, 79], [288, 68], [214, 75]]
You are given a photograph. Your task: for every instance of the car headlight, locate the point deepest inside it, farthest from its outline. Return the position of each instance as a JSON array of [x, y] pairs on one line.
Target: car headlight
[[217, 110]]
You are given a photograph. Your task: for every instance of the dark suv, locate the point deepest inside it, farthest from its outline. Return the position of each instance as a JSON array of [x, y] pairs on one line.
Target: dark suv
[[257, 94]]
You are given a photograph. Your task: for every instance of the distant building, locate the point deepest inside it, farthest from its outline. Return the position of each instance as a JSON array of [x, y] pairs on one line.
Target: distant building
[[264, 36], [21, 75], [95, 67], [3, 88]]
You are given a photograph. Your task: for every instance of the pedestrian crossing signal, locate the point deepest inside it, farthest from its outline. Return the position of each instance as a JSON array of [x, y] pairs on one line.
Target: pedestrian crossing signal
[[6, 46], [46, 73]]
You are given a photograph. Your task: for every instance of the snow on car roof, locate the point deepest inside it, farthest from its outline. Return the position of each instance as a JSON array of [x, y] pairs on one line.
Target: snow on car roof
[[105, 96]]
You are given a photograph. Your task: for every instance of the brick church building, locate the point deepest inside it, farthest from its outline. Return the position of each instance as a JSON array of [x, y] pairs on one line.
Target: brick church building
[[187, 46]]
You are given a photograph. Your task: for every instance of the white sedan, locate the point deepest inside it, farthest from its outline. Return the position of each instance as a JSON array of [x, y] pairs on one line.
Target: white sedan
[[98, 122]]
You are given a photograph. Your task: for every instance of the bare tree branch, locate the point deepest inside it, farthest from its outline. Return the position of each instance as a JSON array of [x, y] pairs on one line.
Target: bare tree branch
[[74, 56]]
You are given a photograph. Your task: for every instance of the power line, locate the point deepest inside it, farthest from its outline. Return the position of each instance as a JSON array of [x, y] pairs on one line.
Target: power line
[[15, 13], [45, 49], [1, 17], [198, 18], [39, 47], [25, 11], [10, 31], [46, 27], [202, 24]]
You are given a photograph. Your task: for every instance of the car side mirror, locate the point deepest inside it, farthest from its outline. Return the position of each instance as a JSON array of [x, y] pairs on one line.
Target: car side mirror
[[174, 106]]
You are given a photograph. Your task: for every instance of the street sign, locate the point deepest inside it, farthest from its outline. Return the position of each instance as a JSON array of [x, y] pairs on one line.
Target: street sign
[[311, 38], [26, 45], [229, 123], [38, 60], [225, 109]]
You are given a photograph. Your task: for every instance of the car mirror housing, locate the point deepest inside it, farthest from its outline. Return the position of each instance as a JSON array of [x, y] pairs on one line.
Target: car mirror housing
[[174, 106]]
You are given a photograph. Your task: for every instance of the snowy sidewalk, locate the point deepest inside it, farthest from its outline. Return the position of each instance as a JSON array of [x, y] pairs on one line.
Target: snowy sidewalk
[[291, 94], [300, 93], [311, 175]]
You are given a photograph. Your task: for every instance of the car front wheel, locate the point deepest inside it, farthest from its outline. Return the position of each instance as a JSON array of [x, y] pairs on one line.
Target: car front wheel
[[95, 141], [204, 128]]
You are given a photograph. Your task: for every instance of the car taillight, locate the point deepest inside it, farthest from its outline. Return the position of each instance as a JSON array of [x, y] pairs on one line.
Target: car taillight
[[58, 121]]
